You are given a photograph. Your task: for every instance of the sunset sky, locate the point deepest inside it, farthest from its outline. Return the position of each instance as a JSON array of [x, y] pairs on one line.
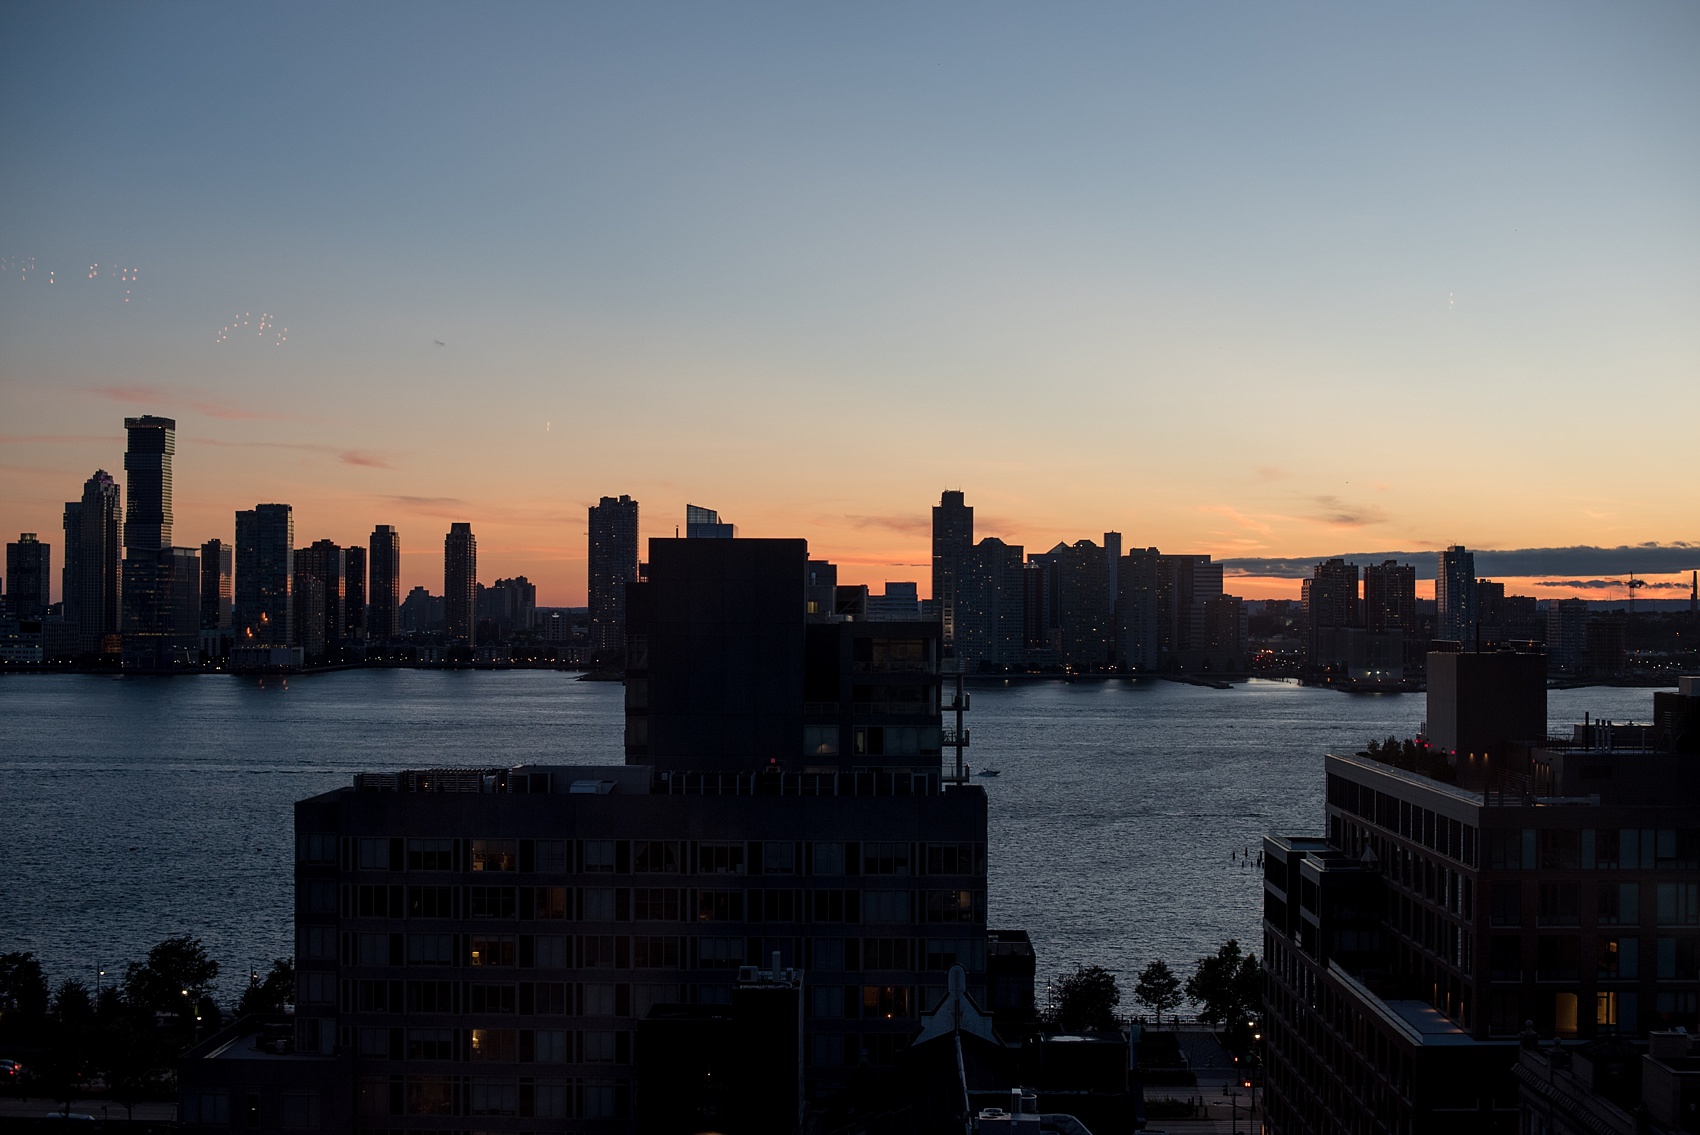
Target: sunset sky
[[1263, 281]]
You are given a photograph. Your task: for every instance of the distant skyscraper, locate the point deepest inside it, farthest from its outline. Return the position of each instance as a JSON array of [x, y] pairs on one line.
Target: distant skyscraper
[[384, 574], [218, 583], [1083, 604], [953, 540], [1567, 634], [70, 574], [460, 581], [325, 562], [1136, 611], [1112, 562], [990, 605], [1390, 598], [147, 583], [354, 592], [1331, 606], [613, 564], [92, 573], [1455, 594], [264, 611], [705, 524], [29, 575]]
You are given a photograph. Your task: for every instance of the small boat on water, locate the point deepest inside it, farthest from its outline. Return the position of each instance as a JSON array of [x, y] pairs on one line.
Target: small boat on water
[[988, 772]]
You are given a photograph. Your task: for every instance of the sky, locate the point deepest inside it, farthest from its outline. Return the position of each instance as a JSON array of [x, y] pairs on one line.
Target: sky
[[1267, 281]]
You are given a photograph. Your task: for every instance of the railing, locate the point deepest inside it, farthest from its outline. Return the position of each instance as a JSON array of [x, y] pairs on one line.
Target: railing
[[892, 708], [948, 738]]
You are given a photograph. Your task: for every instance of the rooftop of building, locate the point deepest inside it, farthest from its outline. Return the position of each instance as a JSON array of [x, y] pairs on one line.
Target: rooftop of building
[[261, 1038], [1418, 1022]]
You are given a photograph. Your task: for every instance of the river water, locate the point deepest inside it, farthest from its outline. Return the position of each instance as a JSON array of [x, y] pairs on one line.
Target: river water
[[135, 808]]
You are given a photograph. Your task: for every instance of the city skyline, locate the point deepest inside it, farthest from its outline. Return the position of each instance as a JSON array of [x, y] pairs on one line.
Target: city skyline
[[1236, 286]]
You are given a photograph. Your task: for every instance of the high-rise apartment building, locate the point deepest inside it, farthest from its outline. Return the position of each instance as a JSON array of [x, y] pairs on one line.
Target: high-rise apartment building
[[1185, 585], [324, 561], [1084, 607], [148, 586], [218, 584], [1112, 565], [953, 540], [990, 606], [1455, 595], [384, 574], [487, 941], [1331, 608], [1451, 904], [354, 623], [460, 581], [1567, 634], [613, 565], [1136, 612], [1390, 598], [29, 575], [93, 551], [509, 604], [264, 607]]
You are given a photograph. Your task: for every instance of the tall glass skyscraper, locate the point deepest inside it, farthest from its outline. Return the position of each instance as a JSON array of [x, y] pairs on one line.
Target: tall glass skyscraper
[[613, 564], [460, 581], [384, 574], [149, 589], [265, 575], [92, 552], [1455, 594]]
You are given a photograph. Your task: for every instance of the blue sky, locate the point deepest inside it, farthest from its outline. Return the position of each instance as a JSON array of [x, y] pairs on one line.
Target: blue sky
[[1263, 280]]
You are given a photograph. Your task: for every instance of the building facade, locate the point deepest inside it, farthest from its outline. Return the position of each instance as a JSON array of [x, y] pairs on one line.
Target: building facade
[[953, 541], [613, 565], [263, 610], [460, 581], [29, 575], [1455, 594], [384, 574], [93, 530]]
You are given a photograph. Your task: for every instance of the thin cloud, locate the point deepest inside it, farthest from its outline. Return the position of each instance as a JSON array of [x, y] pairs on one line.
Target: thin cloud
[[1342, 514], [356, 457], [1249, 523], [54, 439], [1601, 584], [1580, 561], [907, 523], [1271, 473], [161, 396]]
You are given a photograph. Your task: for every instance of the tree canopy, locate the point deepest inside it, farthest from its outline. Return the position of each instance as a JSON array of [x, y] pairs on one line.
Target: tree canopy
[[1084, 1001], [1227, 987], [1158, 988]]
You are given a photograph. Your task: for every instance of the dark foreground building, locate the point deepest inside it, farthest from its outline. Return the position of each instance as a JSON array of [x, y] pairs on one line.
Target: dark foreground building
[[477, 946], [1453, 905]]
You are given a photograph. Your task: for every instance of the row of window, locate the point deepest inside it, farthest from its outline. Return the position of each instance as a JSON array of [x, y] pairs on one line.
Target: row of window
[[673, 857], [1559, 958], [477, 1096], [1615, 904]]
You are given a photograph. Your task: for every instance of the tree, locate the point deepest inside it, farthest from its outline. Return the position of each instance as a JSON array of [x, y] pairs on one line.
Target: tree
[[1084, 1001], [1228, 988], [272, 993], [23, 998], [174, 979], [67, 1058], [1158, 988]]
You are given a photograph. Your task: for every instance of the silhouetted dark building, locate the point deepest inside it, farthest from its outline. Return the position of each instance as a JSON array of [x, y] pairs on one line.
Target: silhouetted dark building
[[1406, 949], [421, 612], [324, 561], [1481, 701], [953, 540], [460, 581], [218, 584], [354, 620], [264, 608], [92, 556], [1455, 595], [1567, 634], [990, 606], [1084, 607], [384, 572], [1331, 608], [1390, 598], [705, 524], [29, 575], [1137, 612], [613, 565], [510, 605], [309, 605], [148, 586], [1041, 632], [1185, 586], [1605, 648]]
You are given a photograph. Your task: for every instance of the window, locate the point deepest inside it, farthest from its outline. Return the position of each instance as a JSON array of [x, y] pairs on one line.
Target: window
[[655, 904], [549, 1046], [1505, 905], [599, 855], [1606, 844], [321, 898], [829, 954], [374, 949], [495, 1044], [430, 1044], [544, 1100], [599, 1046], [1558, 850], [430, 1095], [820, 740], [885, 906], [553, 855], [430, 855], [316, 942], [206, 1107], [493, 951], [492, 902], [315, 987], [826, 1002], [1619, 959], [315, 847], [494, 1097], [601, 999], [646, 997], [490, 998], [1679, 904], [1678, 959], [300, 1111], [431, 949], [956, 859], [374, 854], [549, 902], [376, 1042], [778, 858], [720, 906], [720, 953], [551, 951], [599, 904], [602, 951], [885, 953], [1560, 904], [969, 953], [601, 1100], [956, 906], [720, 859], [885, 1001], [1556, 958], [655, 856], [430, 997], [495, 855], [544, 997], [1504, 849], [1620, 904], [655, 952], [885, 858], [829, 859], [430, 902]]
